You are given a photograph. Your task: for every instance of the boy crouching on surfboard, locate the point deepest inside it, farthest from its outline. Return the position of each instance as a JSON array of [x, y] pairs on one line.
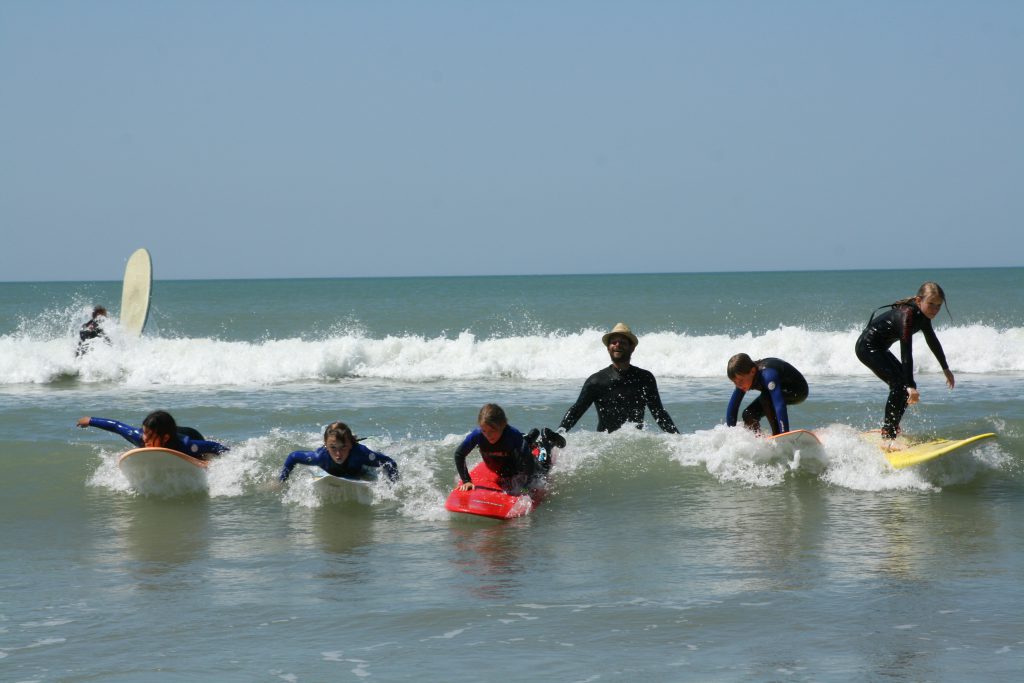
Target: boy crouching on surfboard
[[780, 385]]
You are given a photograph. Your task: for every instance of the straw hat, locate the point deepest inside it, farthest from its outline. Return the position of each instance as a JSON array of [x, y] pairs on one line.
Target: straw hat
[[623, 329]]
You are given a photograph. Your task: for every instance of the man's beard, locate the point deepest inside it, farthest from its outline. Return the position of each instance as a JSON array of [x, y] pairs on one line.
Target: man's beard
[[621, 356]]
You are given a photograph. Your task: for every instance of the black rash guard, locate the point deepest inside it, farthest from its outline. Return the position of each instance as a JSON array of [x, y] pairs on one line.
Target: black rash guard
[[620, 397]]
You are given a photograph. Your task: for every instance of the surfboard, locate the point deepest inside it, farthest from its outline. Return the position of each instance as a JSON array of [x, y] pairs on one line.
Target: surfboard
[[903, 453], [796, 439], [801, 447], [135, 292], [357, 489], [487, 499], [162, 470]]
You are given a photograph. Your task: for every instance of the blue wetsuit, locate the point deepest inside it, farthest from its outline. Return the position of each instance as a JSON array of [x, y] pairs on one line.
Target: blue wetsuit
[[509, 458], [899, 323], [181, 442], [780, 385], [358, 458]]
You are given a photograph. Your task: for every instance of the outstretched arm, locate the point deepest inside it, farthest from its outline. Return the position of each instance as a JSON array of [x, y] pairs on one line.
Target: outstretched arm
[[297, 458], [132, 435], [576, 410]]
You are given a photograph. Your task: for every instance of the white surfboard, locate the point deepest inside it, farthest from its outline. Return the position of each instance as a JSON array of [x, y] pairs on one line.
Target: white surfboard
[[802, 447], [135, 293], [343, 488], [162, 471]]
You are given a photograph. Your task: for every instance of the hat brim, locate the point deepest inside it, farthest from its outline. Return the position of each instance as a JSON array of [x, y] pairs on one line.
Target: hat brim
[[631, 337]]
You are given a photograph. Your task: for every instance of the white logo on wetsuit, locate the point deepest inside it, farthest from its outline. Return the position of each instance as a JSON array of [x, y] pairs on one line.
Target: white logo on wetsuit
[[771, 386], [195, 448]]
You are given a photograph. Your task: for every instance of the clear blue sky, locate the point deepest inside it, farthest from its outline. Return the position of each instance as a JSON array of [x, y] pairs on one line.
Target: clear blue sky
[[323, 139]]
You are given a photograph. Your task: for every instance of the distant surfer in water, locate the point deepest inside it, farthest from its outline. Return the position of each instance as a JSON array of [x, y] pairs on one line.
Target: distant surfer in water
[[621, 391], [780, 385], [92, 329], [341, 455], [899, 323], [159, 430], [503, 448]]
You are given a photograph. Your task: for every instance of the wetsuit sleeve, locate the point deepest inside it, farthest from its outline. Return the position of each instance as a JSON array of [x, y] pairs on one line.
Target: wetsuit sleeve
[[661, 415], [467, 445], [906, 330], [734, 407], [933, 343], [131, 434], [382, 461], [200, 446], [297, 458], [582, 404], [773, 385]]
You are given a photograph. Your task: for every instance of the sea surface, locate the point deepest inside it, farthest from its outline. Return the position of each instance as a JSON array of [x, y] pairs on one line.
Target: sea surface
[[703, 556]]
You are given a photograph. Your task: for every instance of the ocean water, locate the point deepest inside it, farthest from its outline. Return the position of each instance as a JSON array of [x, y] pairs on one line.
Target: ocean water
[[702, 556]]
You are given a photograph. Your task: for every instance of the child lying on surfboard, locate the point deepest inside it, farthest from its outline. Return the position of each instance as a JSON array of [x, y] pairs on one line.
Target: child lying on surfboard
[[503, 448], [159, 430], [341, 455]]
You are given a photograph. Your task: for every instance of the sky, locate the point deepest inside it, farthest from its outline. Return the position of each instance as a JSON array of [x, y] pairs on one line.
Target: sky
[[355, 138]]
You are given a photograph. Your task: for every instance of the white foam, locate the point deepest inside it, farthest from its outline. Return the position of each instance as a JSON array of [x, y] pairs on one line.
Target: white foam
[[150, 361]]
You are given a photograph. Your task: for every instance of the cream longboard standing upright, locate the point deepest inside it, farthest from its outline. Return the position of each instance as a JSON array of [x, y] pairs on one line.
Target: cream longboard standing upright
[[135, 292]]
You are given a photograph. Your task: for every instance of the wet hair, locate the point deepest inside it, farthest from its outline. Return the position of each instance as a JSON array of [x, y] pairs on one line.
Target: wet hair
[[161, 423], [98, 311], [492, 414], [340, 431], [927, 289], [740, 364]]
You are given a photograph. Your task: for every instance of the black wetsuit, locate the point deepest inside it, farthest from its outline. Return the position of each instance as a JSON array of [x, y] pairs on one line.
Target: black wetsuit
[[780, 385], [899, 323], [620, 397], [89, 331]]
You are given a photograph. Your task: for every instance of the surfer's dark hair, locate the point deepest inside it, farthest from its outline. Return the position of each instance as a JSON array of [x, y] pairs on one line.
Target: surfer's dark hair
[[98, 311], [493, 415], [340, 431], [740, 364], [161, 423]]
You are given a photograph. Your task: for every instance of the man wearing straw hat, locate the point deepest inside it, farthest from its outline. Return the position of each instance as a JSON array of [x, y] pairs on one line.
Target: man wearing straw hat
[[621, 391]]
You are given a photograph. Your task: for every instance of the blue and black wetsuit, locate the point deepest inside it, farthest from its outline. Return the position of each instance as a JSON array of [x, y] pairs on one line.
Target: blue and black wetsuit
[[620, 396], [899, 323], [181, 442], [780, 385], [510, 458], [359, 458]]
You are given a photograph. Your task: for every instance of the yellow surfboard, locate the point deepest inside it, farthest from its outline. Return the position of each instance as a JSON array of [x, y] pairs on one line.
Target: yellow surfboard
[[901, 453]]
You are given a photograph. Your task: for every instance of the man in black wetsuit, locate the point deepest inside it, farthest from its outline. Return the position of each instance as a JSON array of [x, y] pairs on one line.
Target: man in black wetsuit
[[621, 391], [92, 329]]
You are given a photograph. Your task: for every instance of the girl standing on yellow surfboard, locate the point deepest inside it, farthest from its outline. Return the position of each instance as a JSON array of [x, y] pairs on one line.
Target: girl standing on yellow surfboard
[[899, 323]]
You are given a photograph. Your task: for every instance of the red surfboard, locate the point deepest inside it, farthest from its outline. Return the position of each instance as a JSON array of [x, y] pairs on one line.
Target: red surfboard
[[487, 499]]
